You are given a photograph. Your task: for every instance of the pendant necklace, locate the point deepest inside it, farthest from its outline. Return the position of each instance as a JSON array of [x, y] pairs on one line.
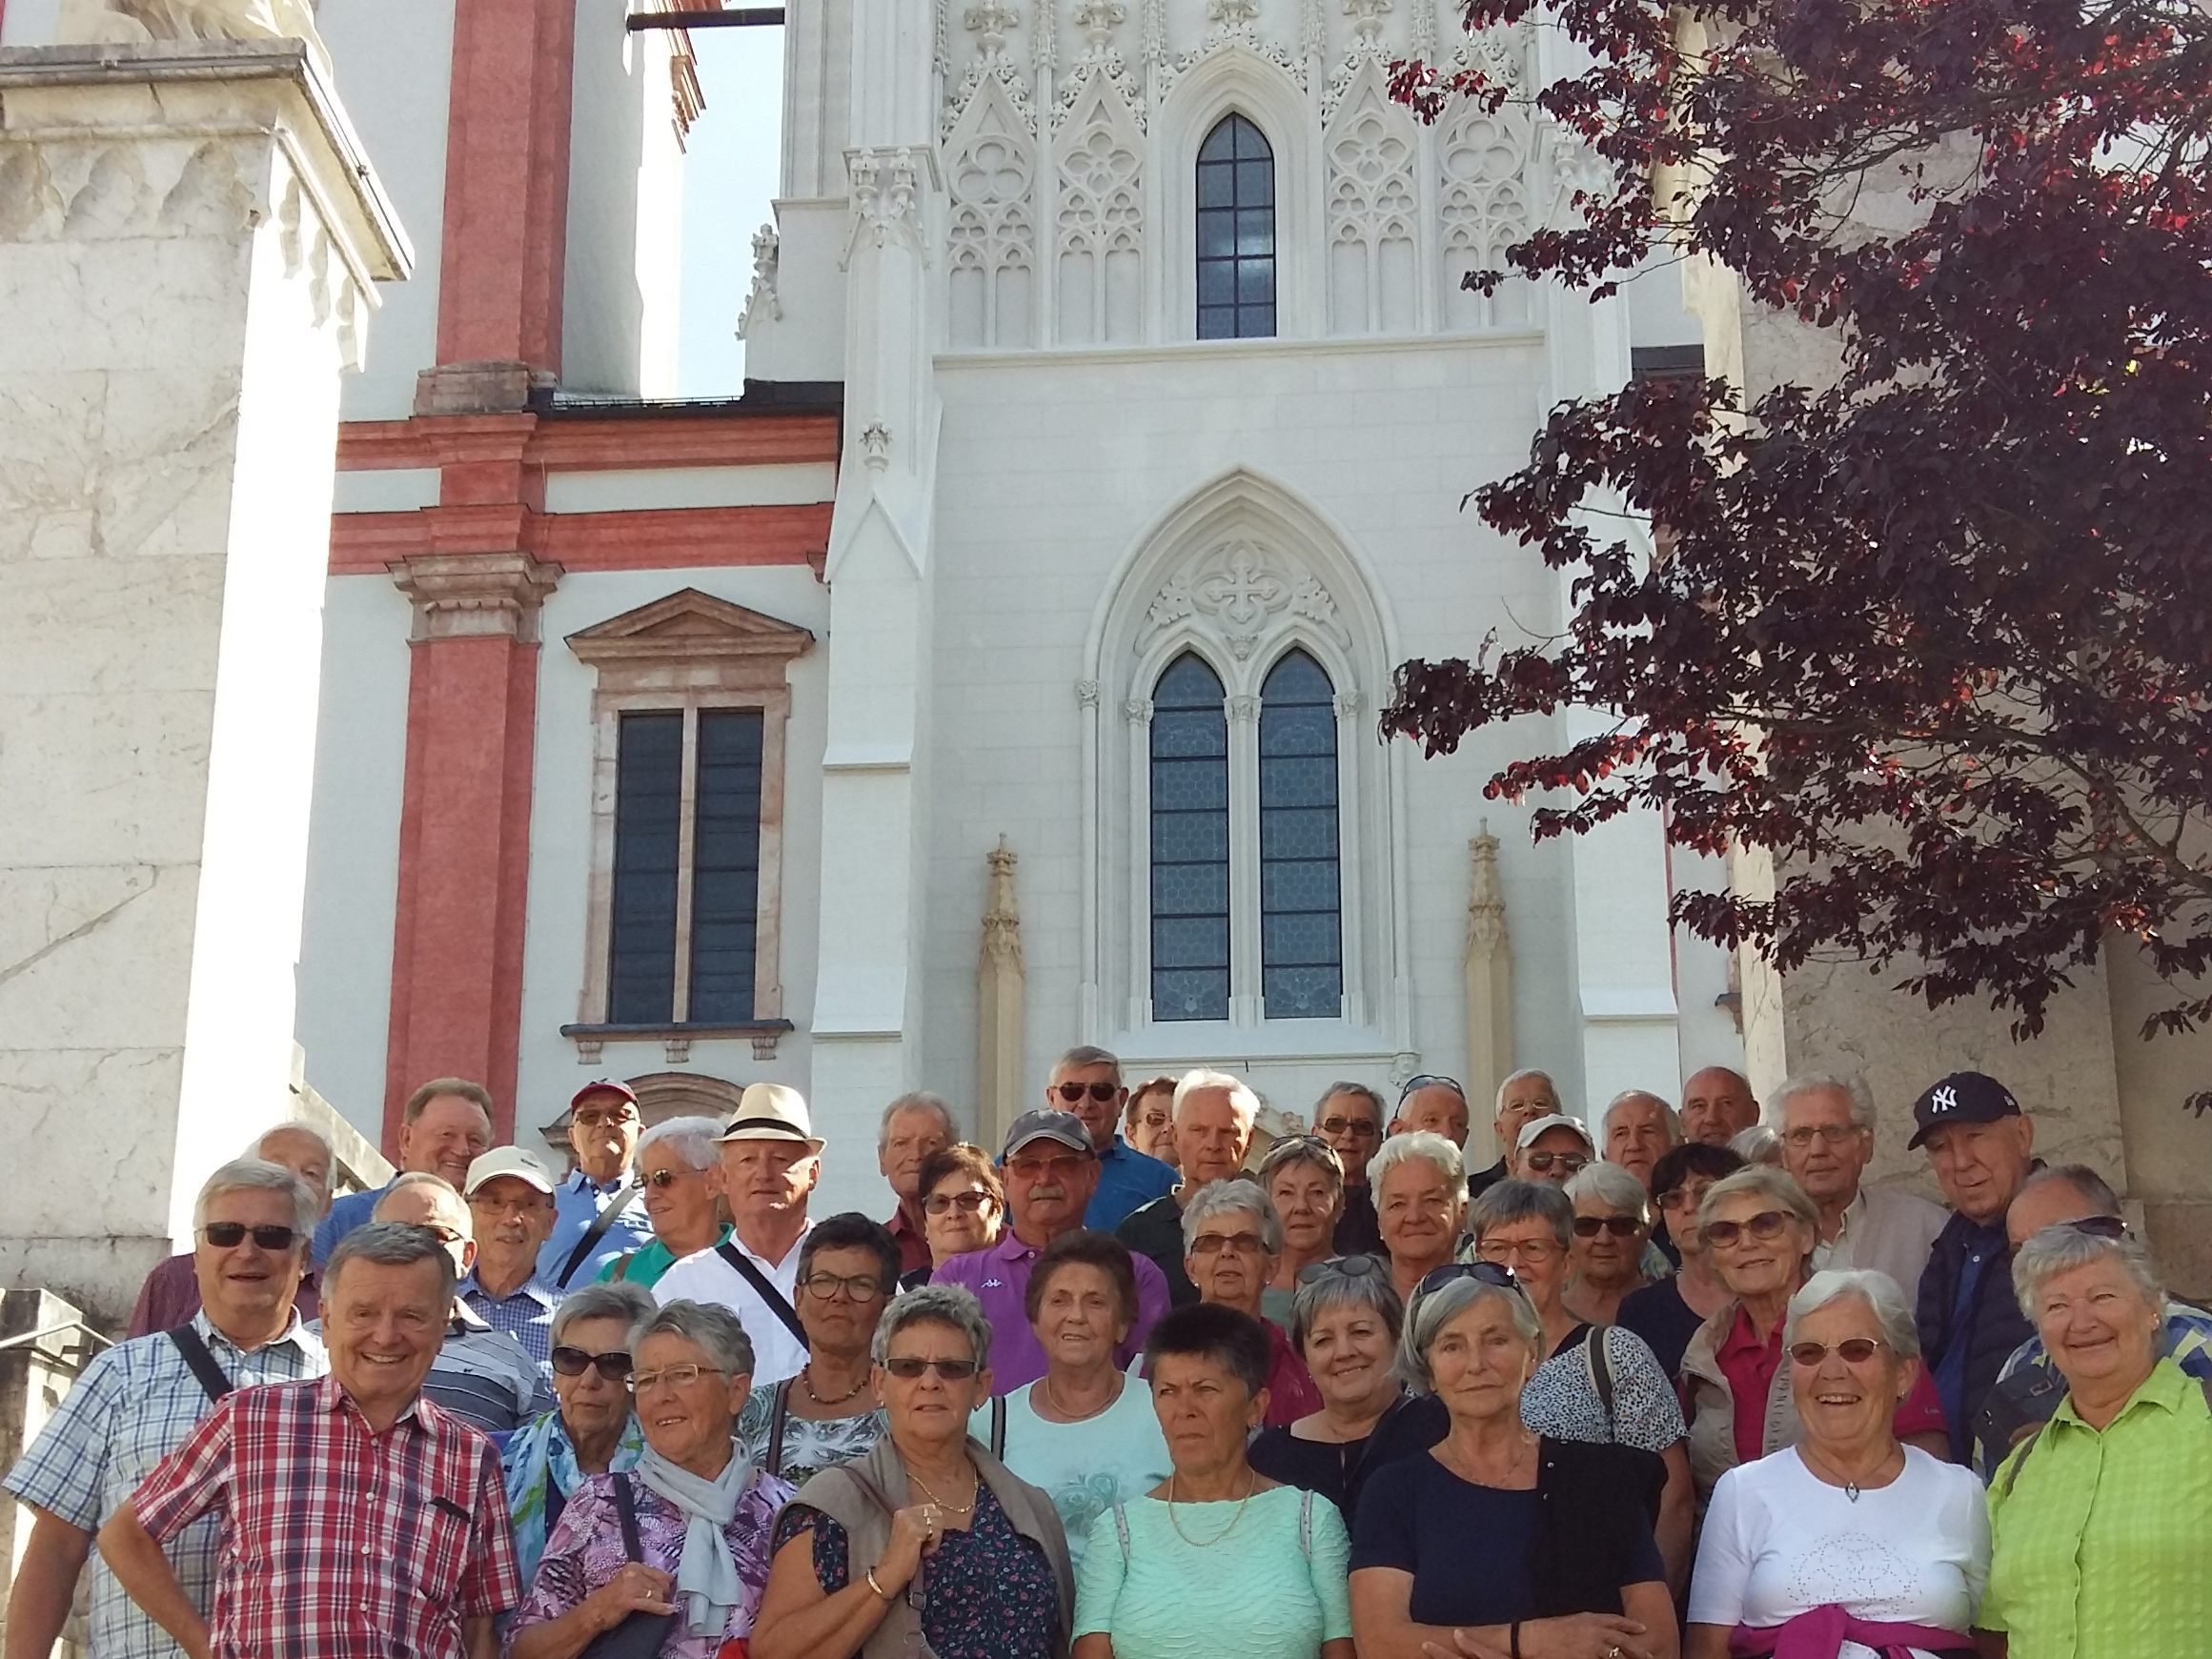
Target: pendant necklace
[[806, 1381]]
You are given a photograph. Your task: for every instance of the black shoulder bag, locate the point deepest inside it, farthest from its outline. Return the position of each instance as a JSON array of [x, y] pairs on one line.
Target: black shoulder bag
[[594, 1233], [762, 1289], [202, 1363], [642, 1634]]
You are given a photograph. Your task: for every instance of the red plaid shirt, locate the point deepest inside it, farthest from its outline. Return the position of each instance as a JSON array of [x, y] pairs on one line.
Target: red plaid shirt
[[338, 1543]]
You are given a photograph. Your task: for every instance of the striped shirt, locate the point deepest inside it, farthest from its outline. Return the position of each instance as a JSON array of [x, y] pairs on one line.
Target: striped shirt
[[133, 1406], [2099, 1548], [338, 1542], [524, 1313], [485, 1376]]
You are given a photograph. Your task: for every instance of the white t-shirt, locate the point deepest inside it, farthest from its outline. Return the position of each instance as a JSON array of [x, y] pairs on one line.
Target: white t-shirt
[[1779, 1542], [703, 1276], [1086, 1467]]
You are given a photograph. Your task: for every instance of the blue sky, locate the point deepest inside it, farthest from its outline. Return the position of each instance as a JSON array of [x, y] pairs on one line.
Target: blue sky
[[729, 178]]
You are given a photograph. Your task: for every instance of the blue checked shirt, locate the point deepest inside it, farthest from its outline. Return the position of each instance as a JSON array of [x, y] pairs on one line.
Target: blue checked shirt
[[576, 1204], [133, 1406], [525, 1314]]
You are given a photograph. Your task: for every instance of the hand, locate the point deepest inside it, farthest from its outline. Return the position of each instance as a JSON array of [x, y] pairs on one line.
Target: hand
[[638, 1589], [915, 1533], [1576, 1636]]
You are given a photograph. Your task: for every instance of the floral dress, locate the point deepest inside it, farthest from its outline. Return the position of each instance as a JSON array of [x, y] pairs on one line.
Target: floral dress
[[809, 1445]]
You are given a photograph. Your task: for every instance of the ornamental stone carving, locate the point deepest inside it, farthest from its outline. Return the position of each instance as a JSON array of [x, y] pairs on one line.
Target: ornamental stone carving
[[886, 187], [474, 596], [136, 21], [1241, 592], [762, 303]]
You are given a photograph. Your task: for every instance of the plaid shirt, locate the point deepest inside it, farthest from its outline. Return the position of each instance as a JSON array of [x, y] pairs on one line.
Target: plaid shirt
[[338, 1543], [134, 1405], [525, 1314]]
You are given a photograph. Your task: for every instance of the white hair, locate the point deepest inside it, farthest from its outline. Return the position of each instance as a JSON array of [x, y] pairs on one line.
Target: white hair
[[618, 1298], [1611, 1185], [1667, 1113], [706, 1325], [1229, 1197], [1849, 1085], [1429, 1314], [1241, 1099], [1877, 1290], [1759, 1147], [1522, 1076], [2060, 1248], [920, 1100], [1409, 1145], [306, 1132], [259, 1175], [690, 1140]]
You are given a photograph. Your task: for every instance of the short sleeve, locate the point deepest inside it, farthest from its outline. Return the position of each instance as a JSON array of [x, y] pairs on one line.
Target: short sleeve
[[492, 1580], [1385, 1530], [1923, 1411], [1098, 1582], [1647, 1413], [1331, 1564], [1724, 1558], [190, 1480], [833, 1567], [66, 1470], [1969, 1521]]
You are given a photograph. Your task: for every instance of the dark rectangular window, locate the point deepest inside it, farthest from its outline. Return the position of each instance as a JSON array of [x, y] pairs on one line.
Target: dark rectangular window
[[725, 866], [648, 812]]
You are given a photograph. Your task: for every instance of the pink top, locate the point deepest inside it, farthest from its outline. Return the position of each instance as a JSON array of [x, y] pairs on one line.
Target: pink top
[[1820, 1632], [1750, 1365]]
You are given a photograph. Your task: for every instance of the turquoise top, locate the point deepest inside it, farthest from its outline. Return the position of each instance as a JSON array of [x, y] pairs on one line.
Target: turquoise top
[[1086, 1467], [1254, 1590]]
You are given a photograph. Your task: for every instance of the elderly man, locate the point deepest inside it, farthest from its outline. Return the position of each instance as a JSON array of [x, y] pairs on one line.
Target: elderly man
[[1638, 1129], [137, 1402], [445, 1126], [1554, 1148], [1982, 1147], [1088, 1082], [171, 1292], [1350, 1118], [1827, 1129], [356, 1516], [913, 1127], [510, 1194], [1049, 1170], [1214, 1114], [1432, 1105], [481, 1375], [597, 1210], [771, 1161], [1525, 1096], [1717, 1105]]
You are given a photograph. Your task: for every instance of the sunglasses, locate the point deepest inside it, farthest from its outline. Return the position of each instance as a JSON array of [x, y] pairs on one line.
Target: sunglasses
[[660, 1180], [1344, 1268], [1359, 1126], [1545, 1161], [1767, 1225], [614, 1364], [603, 1120], [908, 1368], [1853, 1350], [229, 1235], [1493, 1273], [1100, 1092], [1214, 1243], [969, 1203], [2097, 1227], [1619, 1227]]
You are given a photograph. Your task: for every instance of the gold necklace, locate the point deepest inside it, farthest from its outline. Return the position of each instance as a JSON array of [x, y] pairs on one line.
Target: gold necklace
[[915, 1476], [1252, 1483]]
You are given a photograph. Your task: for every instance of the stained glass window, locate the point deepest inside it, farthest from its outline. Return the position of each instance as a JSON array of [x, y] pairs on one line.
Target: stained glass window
[[1301, 928], [1189, 865], [1236, 233]]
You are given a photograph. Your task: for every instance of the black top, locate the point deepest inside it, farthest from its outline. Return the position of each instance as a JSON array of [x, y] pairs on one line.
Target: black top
[[1156, 1229], [1338, 1470], [1358, 1232], [1659, 1314], [1483, 1180]]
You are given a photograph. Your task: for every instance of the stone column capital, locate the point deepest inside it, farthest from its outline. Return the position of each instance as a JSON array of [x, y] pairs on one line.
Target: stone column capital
[[477, 594]]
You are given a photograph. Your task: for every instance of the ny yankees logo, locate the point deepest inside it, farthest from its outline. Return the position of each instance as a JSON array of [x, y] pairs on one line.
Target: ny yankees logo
[[1945, 1100]]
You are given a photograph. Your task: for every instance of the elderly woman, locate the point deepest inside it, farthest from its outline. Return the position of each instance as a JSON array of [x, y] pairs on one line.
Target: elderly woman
[[1870, 1544], [849, 1268], [1667, 1313], [592, 1431], [1232, 1237], [1595, 1382], [963, 1206], [1420, 1187], [1612, 1223], [2099, 1519], [1759, 1227], [699, 1512], [1217, 1559], [928, 1539], [1149, 1124], [1345, 1325], [1303, 1180], [680, 1174], [1499, 1539], [1085, 1432]]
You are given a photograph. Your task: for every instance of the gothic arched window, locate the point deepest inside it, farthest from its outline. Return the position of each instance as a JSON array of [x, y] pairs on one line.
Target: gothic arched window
[[1236, 233], [1301, 930], [1189, 799]]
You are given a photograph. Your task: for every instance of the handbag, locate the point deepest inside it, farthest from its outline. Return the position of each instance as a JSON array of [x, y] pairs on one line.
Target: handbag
[[642, 1634]]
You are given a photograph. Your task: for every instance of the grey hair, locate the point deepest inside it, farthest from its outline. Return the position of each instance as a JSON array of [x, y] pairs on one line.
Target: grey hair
[[449, 1198], [690, 1140], [1667, 1113], [1611, 1185], [1432, 1312], [2084, 1180], [953, 1304], [1759, 1147], [307, 1132], [620, 1299], [2060, 1248], [1373, 1097], [1849, 1085], [1084, 1054], [1241, 1099], [1425, 1145], [1522, 1076], [708, 1326], [391, 1244], [1877, 1290], [1217, 1198], [919, 1100], [1332, 1286], [1764, 1181], [259, 1175], [1509, 1202], [1303, 1149]]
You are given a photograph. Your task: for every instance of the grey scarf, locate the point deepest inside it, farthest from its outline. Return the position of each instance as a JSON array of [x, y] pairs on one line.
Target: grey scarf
[[707, 1577]]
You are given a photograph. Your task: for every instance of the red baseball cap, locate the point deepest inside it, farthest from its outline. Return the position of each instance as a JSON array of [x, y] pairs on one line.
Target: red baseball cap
[[606, 1085]]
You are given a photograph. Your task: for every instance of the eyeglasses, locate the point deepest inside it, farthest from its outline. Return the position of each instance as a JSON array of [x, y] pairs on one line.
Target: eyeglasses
[[603, 1120], [491, 1204], [1214, 1243], [1495, 1251], [908, 1368], [1063, 1168], [1545, 1161], [1100, 1092], [969, 1203], [229, 1235], [1359, 1126], [1344, 1268], [1429, 1079], [829, 1287], [1619, 1227], [1827, 1134], [1853, 1350], [675, 1376], [1766, 1226], [614, 1364], [662, 1179], [1482, 1272]]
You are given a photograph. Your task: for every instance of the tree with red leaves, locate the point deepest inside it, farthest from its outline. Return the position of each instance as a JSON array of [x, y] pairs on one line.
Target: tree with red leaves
[[1936, 634]]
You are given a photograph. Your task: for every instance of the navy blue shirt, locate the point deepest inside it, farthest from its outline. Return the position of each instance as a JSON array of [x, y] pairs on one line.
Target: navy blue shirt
[[1128, 1179]]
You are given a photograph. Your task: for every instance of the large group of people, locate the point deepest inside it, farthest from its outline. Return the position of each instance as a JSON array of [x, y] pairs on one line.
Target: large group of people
[[1130, 1386]]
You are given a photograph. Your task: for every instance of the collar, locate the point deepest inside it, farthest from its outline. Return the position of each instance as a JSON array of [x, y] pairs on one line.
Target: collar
[[737, 1242], [2167, 1388], [1852, 1212], [294, 1334], [1114, 1148], [1741, 1338], [532, 1288], [899, 1227], [330, 1396], [1010, 1249], [464, 1319], [578, 1182]]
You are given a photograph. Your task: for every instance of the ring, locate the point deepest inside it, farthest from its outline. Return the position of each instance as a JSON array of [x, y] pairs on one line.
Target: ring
[[1612, 1654]]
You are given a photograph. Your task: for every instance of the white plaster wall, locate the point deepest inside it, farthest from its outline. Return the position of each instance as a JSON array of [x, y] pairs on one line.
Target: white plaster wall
[[28, 22], [396, 81]]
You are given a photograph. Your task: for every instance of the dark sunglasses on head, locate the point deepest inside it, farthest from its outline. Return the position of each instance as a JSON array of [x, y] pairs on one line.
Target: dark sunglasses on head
[[1853, 1350], [1767, 1225], [1485, 1272], [614, 1364], [2097, 1227], [229, 1235], [1619, 1227], [1344, 1268], [908, 1368], [1101, 1092], [1429, 1080]]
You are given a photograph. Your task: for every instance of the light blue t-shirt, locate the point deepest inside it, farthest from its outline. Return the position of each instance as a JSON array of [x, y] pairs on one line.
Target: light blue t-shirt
[[1086, 1467]]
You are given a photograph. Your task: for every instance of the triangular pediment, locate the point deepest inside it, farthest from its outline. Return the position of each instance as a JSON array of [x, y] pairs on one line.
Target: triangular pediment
[[689, 624]]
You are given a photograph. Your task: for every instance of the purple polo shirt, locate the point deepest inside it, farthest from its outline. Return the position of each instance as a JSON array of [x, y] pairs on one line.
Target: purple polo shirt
[[999, 1278]]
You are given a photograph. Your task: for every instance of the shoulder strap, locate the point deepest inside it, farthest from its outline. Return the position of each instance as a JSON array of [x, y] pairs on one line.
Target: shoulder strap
[[777, 1303], [594, 1233], [779, 1403], [1121, 1531], [1602, 1375], [999, 1426], [1306, 1523], [626, 1512], [623, 1266], [202, 1363]]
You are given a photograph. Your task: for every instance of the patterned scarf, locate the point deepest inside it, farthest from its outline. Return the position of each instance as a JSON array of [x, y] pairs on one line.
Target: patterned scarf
[[539, 1460]]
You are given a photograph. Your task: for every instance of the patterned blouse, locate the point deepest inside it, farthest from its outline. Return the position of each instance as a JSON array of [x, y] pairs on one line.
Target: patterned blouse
[[1562, 1400], [586, 1551], [987, 1593], [810, 1444]]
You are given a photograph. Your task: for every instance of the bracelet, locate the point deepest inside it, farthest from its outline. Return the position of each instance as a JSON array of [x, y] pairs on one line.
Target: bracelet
[[870, 1576], [1513, 1636]]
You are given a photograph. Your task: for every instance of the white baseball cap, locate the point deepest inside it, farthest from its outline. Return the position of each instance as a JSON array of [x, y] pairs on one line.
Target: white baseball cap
[[519, 1162], [1555, 1121]]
